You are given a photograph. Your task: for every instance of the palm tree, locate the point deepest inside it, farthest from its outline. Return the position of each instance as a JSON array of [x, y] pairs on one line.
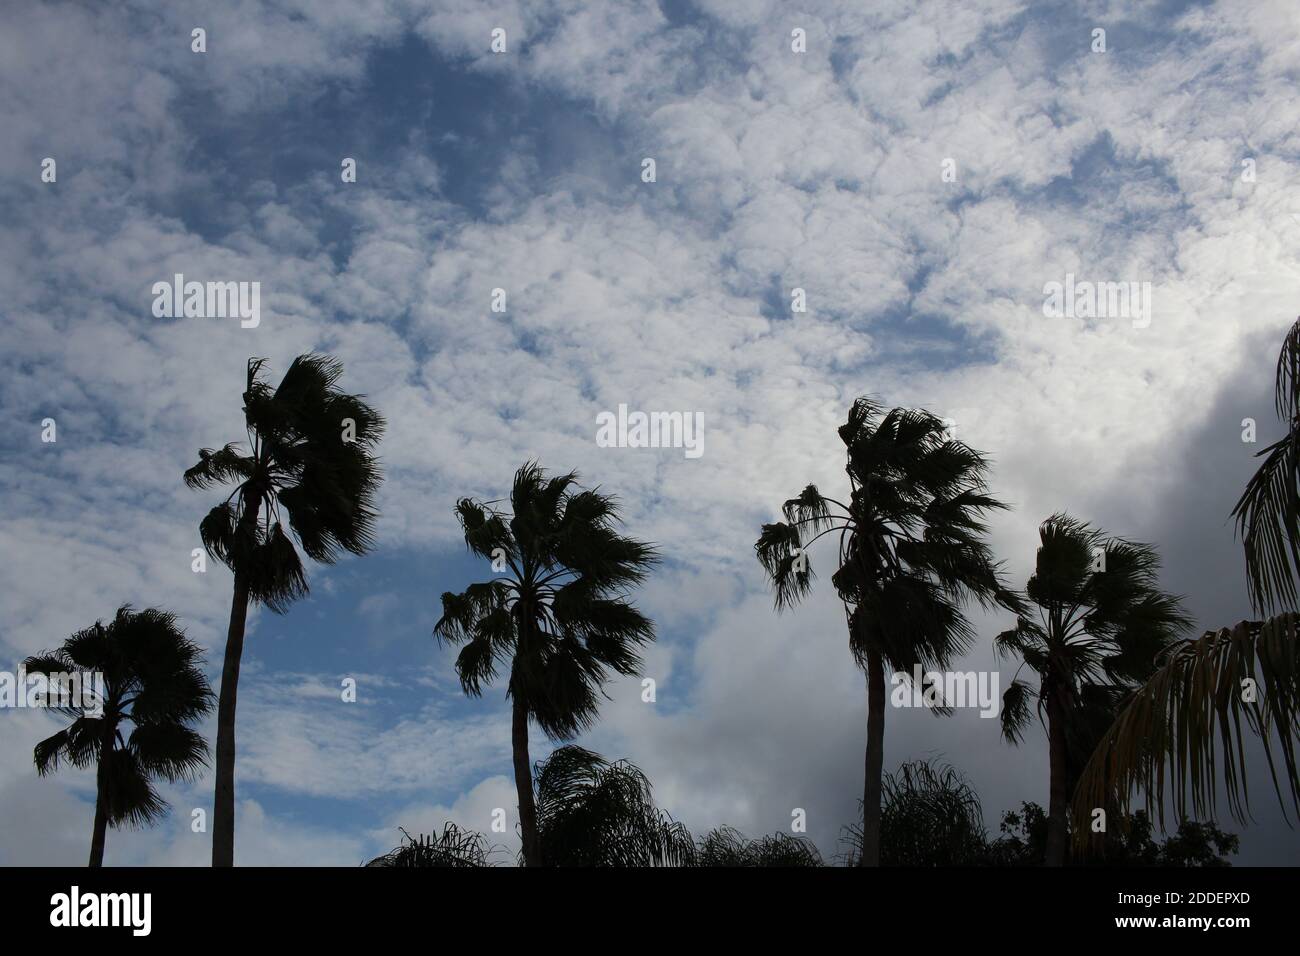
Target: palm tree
[[1169, 732], [930, 816], [556, 615], [454, 848], [911, 553], [728, 847], [152, 680], [594, 813], [309, 460], [1101, 621], [1205, 687], [1268, 512]]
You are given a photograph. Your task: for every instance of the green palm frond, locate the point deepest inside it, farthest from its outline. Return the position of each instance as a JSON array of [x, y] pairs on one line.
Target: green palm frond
[[218, 467], [780, 551], [1180, 735], [1268, 522], [728, 847], [556, 614], [1286, 388], [453, 848], [78, 744], [1015, 714], [168, 750], [274, 571], [562, 686], [594, 813], [311, 471], [486, 530], [153, 680], [930, 816], [909, 535], [129, 794], [1267, 515]]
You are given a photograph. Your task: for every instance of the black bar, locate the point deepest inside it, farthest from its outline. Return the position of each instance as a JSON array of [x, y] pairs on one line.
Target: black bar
[[941, 905]]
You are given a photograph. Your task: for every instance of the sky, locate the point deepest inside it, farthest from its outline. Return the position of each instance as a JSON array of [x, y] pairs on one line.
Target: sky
[[921, 171]]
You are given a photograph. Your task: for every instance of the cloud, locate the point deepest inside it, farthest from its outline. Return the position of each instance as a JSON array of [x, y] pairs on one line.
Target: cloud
[[820, 171]]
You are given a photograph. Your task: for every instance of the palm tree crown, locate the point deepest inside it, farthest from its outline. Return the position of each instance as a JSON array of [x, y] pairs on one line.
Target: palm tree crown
[[594, 813], [153, 682], [309, 460], [1098, 623], [911, 547]]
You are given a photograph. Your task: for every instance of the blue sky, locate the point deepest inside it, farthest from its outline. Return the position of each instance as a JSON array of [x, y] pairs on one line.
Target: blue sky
[[776, 171]]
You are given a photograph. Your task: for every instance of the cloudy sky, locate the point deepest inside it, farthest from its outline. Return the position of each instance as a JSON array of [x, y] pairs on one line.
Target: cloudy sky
[[920, 171]]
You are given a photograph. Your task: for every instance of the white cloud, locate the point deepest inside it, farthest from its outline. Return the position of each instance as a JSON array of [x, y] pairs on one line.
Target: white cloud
[[776, 170]]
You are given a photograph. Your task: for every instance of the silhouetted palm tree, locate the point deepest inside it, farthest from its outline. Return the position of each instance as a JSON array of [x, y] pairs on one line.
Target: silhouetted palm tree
[[1182, 728], [726, 847], [1101, 622], [309, 461], [1193, 706], [930, 816], [911, 552], [594, 813], [556, 615], [152, 680], [454, 848], [1268, 513]]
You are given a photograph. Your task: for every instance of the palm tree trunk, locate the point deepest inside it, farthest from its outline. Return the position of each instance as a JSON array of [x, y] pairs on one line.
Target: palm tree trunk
[[1056, 807], [98, 835], [524, 781], [223, 810], [875, 760]]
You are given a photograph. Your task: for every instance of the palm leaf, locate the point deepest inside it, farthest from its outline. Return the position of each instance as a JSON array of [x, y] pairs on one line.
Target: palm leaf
[[1181, 733]]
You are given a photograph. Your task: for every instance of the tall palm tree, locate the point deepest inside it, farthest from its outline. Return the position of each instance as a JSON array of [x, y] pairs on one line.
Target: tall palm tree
[[594, 813], [1268, 512], [1100, 622], [152, 682], [309, 460], [1168, 735], [911, 553], [556, 615]]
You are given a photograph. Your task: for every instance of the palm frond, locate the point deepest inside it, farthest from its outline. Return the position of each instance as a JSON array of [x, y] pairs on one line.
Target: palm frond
[[594, 813], [168, 750], [930, 816], [1268, 522], [152, 678], [1014, 715], [728, 847], [559, 617], [453, 848], [1180, 735], [217, 467]]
